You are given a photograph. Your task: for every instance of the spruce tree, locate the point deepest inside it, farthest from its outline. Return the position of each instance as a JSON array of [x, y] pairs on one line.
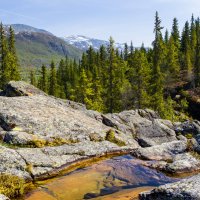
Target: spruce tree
[[197, 56], [173, 73], [13, 62], [43, 79], [33, 78], [157, 76], [139, 77], [53, 87], [125, 51], [4, 58], [84, 90], [175, 33]]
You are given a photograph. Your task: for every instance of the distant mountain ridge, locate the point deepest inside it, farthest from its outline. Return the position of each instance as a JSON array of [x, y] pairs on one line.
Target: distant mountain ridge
[[83, 42], [37, 46], [25, 28]]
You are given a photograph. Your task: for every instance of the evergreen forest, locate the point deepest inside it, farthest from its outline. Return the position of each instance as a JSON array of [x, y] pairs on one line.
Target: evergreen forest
[[109, 80]]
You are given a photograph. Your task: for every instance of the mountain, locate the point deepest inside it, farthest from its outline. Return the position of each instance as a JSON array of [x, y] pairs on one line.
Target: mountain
[[83, 42], [18, 28], [36, 46]]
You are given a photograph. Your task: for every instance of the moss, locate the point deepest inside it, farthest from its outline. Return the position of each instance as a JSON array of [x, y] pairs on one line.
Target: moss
[[29, 168], [195, 154], [110, 136], [95, 137], [11, 186], [189, 135], [53, 142]]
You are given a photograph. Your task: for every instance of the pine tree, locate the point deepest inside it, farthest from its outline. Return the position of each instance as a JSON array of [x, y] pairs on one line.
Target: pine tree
[[197, 56], [53, 87], [193, 40], [13, 62], [33, 78], [84, 90], [139, 77], [175, 33], [166, 36], [125, 51], [43, 79], [157, 76], [172, 62], [4, 58]]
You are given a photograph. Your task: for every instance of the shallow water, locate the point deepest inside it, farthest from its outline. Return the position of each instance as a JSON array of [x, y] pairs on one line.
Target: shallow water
[[116, 178]]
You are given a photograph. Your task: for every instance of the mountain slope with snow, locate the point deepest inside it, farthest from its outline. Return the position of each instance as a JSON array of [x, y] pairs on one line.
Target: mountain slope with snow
[[83, 42]]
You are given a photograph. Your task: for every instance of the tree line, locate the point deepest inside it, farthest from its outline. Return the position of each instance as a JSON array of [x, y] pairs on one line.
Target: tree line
[[9, 67], [109, 80]]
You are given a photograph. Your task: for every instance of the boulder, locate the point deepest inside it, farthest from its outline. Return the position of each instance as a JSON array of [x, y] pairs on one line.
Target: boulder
[[165, 151], [183, 163], [145, 128], [188, 127], [186, 189], [20, 88]]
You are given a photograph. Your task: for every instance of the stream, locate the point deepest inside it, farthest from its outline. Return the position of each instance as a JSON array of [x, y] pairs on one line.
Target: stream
[[119, 177]]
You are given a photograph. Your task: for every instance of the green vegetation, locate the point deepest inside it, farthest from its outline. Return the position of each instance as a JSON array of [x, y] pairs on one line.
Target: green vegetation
[[35, 49], [111, 81], [11, 186], [110, 136], [9, 68]]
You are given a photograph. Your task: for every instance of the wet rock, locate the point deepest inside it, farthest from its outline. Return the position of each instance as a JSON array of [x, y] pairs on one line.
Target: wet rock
[[47, 160], [186, 189], [165, 151]]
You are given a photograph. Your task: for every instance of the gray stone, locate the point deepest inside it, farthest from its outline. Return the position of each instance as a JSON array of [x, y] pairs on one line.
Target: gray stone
[[183, 163], [13, 163], [188, 127], [165, 151], [3, 197], [20, 88], [186, 189], [148, 131], [19, 138]]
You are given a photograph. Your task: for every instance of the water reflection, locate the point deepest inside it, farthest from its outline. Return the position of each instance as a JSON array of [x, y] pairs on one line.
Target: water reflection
[[103, 180]]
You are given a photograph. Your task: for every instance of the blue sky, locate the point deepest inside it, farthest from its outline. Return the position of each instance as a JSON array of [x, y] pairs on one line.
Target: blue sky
[[125, 20]]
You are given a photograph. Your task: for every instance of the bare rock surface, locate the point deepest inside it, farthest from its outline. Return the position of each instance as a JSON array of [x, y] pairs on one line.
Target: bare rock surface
[[3, 197], [144, 125], [186, 189], [64, 132], [165, 151]]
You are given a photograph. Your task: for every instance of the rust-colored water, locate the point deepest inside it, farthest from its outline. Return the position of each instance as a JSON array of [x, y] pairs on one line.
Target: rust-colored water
[[117, 178]]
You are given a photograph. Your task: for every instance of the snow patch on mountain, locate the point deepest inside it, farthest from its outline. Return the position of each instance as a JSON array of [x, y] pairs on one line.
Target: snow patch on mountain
[[83, 42]]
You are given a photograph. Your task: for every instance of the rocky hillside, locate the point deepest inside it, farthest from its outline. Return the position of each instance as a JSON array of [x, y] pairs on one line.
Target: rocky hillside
[[42, 135]]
